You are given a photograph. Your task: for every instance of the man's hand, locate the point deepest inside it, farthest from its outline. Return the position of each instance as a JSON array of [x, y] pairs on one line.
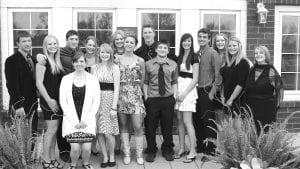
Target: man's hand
[[41, 59]]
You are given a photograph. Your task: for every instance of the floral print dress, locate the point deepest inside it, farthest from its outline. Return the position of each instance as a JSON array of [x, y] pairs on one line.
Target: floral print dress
[[130, 96]]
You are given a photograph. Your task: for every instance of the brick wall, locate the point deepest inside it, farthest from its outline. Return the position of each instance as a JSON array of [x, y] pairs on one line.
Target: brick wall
[[263, 34]]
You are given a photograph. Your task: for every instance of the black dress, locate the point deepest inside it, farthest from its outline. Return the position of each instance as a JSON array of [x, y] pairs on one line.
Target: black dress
[[232, 76], [263, 93], [51, 83]]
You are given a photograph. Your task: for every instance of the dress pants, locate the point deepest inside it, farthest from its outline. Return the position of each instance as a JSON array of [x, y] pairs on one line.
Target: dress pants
[[161, 110], [202, 122]]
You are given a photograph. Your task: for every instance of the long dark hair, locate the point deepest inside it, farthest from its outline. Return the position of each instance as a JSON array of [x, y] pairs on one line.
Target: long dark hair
[[181, 51]]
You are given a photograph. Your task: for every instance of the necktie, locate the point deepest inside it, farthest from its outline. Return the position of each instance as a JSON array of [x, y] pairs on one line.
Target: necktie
[[161, 80], [30, 63]]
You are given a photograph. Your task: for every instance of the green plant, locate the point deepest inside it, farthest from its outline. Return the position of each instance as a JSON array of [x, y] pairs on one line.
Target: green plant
[[16, 143], [239, 145]]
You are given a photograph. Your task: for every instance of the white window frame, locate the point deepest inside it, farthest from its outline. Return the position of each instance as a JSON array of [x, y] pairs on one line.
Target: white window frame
[[10, 45], [280, 11], [10, 24], [76, 10], [238, 25], [171, 11]]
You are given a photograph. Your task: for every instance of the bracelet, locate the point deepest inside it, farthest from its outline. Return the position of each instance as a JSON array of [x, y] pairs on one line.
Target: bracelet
[[113, 109]]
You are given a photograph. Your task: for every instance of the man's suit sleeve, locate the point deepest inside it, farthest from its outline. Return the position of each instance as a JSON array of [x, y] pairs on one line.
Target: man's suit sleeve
[[12, 83]]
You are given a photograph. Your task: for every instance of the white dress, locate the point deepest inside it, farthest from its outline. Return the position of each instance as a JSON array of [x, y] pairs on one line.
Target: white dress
[[189, 103]]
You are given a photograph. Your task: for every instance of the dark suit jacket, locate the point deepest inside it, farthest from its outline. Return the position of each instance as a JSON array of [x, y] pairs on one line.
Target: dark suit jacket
[[20, 82]]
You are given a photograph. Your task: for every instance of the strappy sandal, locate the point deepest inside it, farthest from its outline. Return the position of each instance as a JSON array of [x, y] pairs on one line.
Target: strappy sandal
[[87, 166], [180, 155], [47, 165], [56, 164], [72, 167], [189, 159]]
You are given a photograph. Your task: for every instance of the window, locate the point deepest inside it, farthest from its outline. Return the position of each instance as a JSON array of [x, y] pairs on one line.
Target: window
[[94, 23], [164, 23], [287, 49], [221, 22], [35, 22]]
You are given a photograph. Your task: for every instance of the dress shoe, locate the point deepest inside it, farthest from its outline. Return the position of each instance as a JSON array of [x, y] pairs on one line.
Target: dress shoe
[[168, 156], [150, 157], [65, 157]]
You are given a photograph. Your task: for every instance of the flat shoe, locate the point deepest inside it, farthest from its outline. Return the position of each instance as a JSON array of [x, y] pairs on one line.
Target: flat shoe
[[104, 165], [111, 164]]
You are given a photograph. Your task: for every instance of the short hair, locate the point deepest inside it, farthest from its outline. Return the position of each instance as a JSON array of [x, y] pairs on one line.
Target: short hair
[[132, 36], [204, 30], [164, 42], [148, 26], [22, 34], [71, 33], [265, 50], [77, 56]]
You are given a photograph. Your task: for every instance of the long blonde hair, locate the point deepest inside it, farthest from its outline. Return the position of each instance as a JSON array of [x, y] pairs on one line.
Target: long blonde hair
[[107, 48], [55, 63], [240, 55]]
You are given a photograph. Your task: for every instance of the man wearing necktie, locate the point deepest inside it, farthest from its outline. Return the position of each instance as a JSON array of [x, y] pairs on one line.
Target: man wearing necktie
[[160, 91], [20, 80]]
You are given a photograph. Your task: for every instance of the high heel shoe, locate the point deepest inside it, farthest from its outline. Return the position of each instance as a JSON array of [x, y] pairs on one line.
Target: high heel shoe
[[190, 158], [180, 155], [56, 164], [47, 165]]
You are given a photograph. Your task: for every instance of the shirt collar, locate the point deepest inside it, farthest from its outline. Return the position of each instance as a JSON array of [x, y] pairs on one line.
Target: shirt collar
[[205, 49], [156, 60], [24, 54]]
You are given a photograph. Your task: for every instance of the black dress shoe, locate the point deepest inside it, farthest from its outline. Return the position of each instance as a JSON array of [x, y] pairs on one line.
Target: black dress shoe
[[111, 164], [65, 157], [168, 156], [150, 157]]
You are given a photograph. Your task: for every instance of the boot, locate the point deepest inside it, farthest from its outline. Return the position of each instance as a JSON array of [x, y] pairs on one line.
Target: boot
[[139, 149], [126, 148]]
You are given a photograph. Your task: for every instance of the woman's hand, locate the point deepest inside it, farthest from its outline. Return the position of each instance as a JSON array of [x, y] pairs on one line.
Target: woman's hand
[[78, 126], [53, 105], [113, 113], [83, 125], [181, 97]]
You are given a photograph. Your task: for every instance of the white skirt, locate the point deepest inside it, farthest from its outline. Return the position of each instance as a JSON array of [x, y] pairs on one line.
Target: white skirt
[[189, 103]]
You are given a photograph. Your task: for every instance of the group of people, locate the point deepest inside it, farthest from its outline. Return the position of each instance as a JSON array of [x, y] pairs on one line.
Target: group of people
[[103, 94]]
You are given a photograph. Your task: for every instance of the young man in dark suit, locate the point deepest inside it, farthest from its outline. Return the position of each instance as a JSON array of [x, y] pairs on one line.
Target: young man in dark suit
[[20, 81]]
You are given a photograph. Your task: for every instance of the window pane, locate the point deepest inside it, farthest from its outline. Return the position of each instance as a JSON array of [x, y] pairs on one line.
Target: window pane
[[39, 20], [104, 20], [227, 22], [289, 43], [86, 20], [211, 21], [38, 37], [289, 24], [289, 63], [103, 36], [169, 36], [167, 21], [289, 81], [83, 35], [36, 51], [21, 20], [150, 19]]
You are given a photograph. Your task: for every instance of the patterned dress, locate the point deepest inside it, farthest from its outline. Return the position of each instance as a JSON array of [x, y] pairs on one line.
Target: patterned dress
[[130, 95], [106, 124]]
